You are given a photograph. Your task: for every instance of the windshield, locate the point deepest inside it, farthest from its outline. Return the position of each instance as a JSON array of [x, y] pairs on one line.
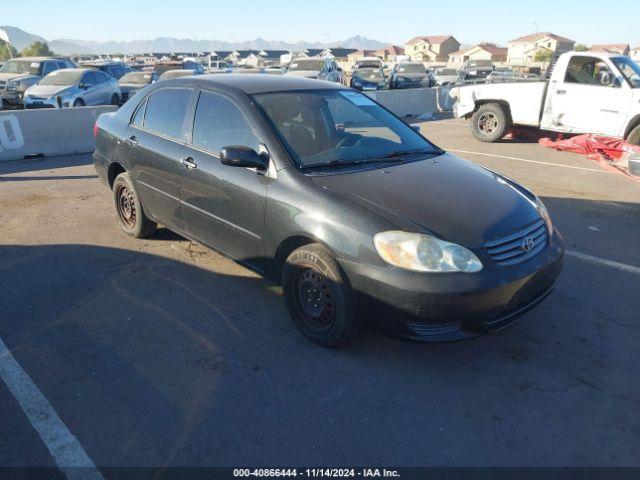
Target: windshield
[[136, 77], [411, 68], [446, 71], [629, 69], [62, 77], [368, 65], [481, 64], [176, 74], [331, 127], [306, 65], [21, 66]]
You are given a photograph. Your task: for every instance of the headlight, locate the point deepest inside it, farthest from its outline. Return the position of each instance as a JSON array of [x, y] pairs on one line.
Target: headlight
[[544, 213], [424, 253]]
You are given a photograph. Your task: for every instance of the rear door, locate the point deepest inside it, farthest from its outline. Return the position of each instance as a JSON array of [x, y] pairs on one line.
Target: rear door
[[155, 147], [223, 206], [91, 96], [103, 89], [592, 98]]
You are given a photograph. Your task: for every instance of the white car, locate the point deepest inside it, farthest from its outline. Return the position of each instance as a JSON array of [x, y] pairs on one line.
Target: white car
[[588, 92]]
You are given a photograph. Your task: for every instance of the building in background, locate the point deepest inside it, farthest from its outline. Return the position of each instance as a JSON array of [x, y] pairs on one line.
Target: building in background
[[482, 51], [390, 53], [635, 54], [523, 50], [619, 49], [431, 48]]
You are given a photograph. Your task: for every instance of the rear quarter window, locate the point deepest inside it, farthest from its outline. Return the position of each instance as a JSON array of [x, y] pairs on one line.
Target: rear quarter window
[[166, 110]]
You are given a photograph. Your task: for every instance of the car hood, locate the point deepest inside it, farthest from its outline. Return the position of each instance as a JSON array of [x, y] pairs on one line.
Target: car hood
[[47, 91], [449, 197], [304, 73], [411, 76], [132, 86], [369, 75], [5, 77]]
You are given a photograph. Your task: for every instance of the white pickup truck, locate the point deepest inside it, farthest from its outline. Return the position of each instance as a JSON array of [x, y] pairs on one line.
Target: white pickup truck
[[587, 92]]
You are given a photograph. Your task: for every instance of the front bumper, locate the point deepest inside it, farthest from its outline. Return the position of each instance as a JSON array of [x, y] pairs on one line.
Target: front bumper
[[30, 103], [453, 306], [12, 98]]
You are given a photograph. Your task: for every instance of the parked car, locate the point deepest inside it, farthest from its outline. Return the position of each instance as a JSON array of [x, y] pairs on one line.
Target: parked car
[[219, 66], [275, 70], [132, 82], [178, 73], [18, 74], [321, 189], [588, 92], [368, 62], [161, 67], [445, 76], [316, 68], [115, 69], [408, 75], [365, 78], [73, 87], [475, 70]]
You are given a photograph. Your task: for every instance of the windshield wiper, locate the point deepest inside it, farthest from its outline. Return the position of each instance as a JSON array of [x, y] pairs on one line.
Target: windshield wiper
[[340, 162], [402, 153]]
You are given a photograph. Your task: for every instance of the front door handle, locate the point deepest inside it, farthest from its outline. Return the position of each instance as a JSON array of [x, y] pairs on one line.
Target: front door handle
[[132, 141], [189, 163], [561, 92]]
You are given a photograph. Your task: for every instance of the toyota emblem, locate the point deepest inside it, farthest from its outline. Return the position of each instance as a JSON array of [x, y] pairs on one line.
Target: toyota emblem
[[527, 244]]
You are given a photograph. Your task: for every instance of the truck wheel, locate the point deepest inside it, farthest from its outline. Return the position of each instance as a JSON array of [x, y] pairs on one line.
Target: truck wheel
[[318, 297], [131, 216], [634, 136], [490, 122]]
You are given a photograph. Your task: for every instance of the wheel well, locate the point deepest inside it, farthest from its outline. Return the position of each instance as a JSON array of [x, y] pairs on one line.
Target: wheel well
[[284, 250], [633, 123], [504, 104], [115, 169]]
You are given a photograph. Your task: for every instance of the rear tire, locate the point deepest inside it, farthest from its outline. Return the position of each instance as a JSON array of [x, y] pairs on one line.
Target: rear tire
[[490, 122], [634, 136], [131, 217], [318, 296]]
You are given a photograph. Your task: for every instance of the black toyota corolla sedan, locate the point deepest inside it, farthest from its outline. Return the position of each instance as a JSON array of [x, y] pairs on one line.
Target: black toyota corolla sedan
[[361, 219]]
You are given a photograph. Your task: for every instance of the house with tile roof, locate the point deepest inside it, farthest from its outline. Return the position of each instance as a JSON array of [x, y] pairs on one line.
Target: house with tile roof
[[635, 54], [434, 48], [482, 51], [523, 50], [618, 48]]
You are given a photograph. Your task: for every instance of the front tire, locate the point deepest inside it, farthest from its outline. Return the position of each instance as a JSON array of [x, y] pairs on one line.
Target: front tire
[[634, 136], [131, 217], [490, 122], [318, 296], [78, 102]]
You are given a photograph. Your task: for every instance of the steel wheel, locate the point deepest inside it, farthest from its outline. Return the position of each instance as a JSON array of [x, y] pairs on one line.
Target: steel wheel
[[488, 123], [314, 300], [126, 204]]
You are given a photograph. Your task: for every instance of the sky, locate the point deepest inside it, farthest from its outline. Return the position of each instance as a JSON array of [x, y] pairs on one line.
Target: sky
[[469, 21]]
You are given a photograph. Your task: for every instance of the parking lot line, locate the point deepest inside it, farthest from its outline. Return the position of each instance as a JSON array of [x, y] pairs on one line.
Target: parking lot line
[[68, 454], [528, 161], [603, 261]]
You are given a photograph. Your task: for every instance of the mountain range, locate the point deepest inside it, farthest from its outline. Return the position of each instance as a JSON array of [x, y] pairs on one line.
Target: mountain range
[[64, 46]]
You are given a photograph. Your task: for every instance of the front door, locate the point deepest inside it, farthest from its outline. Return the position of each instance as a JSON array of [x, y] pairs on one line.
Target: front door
[[155, 143], [592, 98], [223, 206]]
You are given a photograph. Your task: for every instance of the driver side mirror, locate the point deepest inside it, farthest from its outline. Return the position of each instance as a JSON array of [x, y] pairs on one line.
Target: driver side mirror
[[241, 156]]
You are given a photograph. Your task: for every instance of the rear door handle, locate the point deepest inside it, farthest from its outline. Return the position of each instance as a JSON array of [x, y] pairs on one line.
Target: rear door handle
[[561, 92], [189, 163], [133, 141]]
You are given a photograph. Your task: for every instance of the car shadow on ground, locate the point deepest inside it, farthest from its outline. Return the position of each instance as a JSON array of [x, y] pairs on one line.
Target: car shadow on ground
[[44, 163], [156, 361]]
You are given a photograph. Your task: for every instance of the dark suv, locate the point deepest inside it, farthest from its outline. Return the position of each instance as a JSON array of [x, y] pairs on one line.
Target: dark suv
[[114, 69]]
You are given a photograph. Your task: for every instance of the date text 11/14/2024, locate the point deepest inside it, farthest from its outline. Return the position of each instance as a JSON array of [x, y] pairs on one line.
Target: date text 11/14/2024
[[317, 472]]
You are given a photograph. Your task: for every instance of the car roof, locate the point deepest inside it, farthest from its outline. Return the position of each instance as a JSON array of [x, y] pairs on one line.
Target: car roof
[[35, 59], [255, 83]]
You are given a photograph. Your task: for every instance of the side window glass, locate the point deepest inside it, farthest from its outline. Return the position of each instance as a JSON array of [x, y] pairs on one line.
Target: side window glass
[[588, 71], [88, 79], [218, 123], [166, 110], [138, 118]]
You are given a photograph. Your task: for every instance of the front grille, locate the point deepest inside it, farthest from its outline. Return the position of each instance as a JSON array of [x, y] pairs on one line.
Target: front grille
[[516, 247]]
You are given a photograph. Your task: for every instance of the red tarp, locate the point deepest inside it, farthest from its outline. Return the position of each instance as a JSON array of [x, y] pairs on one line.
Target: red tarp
[[610, 147]]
